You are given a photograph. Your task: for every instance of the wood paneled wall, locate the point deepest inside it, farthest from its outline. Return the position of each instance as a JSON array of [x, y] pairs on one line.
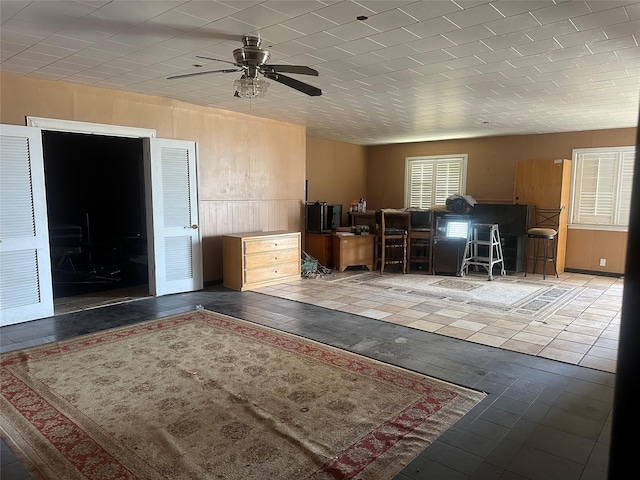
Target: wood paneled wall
[[251, 171], [336, 172]]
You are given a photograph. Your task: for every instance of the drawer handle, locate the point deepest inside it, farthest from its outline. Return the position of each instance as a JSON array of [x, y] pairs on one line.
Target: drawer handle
[[275, 258]]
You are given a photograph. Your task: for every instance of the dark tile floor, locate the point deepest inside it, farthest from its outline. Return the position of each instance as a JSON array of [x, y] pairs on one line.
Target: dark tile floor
[[541, 419]]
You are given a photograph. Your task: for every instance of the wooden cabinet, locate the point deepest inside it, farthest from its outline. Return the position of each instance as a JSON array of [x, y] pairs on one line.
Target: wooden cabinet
[[320, 247], [545, 184], [258, 259], [353, 250]]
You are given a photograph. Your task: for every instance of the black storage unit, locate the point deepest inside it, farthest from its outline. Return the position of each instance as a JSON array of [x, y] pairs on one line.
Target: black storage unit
[[447, 255], [513, 222], [448, 246], [321, 217], [334, 216], [315, 219]]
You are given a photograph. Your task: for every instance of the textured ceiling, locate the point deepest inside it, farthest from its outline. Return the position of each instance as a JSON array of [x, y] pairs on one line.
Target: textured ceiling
[[410, 71]]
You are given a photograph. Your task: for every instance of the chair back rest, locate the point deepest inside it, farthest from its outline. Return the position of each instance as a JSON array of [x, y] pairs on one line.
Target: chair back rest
[[420, 218], [378, 217], [548, 217]]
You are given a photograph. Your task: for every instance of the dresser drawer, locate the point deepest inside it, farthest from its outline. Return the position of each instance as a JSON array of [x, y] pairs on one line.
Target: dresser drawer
[[258, 245], [267, 274], [267, 259]]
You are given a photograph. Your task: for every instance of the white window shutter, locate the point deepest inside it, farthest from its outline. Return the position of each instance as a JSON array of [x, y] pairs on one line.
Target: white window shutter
[[602, 186]]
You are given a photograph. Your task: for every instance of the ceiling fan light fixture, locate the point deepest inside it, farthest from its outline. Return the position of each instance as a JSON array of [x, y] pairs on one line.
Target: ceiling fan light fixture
[[250, 87]]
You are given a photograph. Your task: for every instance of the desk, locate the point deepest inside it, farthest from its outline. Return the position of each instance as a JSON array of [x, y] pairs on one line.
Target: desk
[[320, 247], [367, 218], [352, 250]]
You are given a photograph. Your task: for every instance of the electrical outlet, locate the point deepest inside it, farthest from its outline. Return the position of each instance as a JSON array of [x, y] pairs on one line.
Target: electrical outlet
[[603, 262]]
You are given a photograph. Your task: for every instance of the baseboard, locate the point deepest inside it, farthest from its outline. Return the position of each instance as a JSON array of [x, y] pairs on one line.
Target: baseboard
[[592, 272]]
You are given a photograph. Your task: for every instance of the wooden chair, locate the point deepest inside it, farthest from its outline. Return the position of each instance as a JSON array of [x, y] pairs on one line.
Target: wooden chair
[[420, 239], [390, 245], [543, 236]]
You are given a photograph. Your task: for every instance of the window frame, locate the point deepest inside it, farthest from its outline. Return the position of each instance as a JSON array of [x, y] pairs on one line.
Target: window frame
[[434, 160], [574, 191]]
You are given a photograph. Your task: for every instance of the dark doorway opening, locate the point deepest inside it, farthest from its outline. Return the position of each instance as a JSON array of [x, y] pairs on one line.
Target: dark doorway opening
[[96, 212]]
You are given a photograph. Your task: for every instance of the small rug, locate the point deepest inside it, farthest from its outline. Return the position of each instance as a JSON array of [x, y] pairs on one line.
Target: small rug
[[503, 294], [207, 396]]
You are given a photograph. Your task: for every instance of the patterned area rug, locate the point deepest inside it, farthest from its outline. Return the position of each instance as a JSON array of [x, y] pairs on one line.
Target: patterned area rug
[[207, 396], [503, 294]]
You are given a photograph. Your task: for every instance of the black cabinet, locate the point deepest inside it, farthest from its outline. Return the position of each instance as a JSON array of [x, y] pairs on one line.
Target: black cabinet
[[513, 251], [447, 255], [513, 222]]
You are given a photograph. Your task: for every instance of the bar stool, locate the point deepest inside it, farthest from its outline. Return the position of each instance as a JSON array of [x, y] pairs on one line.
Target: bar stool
[[543, 236]]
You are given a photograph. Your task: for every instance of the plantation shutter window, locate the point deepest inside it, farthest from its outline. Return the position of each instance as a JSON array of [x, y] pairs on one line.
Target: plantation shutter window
[[430, 180], [602, 181]]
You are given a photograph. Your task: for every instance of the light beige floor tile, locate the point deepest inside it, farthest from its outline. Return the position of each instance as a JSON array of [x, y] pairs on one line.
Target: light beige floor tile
[[425, 307], [561, 355], [386, 307], [568, 346], [601, 352], [330, 304], [373, 313], [355, 309], [509, 324], [607, 343], [577, 337], [403, 303], [484, 319], [522, 347], [595, 316], [559, 320], [425, 325], [446, 312], [400, 319], [410, 312], [592, 331], [495, 331], [368, 303], [541, 330], [598, 363], [468, 325], [454, 332], [484, 339], [532, 338], [439, 319]]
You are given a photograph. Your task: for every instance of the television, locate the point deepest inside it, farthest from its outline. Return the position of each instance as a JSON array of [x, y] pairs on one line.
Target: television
[[457, 229]]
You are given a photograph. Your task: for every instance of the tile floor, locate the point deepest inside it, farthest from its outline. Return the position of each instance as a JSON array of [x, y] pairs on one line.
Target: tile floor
[[583, 332], [541, 420]]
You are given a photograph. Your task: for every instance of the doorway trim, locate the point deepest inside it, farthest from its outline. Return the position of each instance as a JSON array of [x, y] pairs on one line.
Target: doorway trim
[[89, 128]]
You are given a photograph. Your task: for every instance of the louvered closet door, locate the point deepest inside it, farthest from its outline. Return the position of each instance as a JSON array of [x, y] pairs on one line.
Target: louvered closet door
[[26, 290], [175, 253]]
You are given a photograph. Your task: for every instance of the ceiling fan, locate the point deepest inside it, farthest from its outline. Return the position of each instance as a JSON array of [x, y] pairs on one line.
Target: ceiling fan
[[252, 61]]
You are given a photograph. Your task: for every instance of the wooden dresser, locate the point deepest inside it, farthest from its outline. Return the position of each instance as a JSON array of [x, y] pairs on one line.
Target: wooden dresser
[[258, 259]]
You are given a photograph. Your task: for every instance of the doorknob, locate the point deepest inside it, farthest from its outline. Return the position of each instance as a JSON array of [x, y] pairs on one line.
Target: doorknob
[[194, 227]]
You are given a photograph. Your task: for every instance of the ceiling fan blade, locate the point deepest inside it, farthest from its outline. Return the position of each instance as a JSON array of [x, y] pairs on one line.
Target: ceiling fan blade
[[299, 69], [218, 60], [293, 83], [185, 75]]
